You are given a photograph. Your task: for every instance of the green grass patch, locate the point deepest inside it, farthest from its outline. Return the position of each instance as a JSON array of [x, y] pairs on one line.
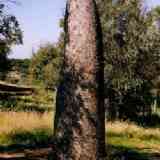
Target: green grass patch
[[131, 141]]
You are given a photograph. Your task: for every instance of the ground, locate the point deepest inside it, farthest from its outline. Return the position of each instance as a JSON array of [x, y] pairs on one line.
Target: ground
[[28, 136], [25, 135], [27, 128], [128, 141]]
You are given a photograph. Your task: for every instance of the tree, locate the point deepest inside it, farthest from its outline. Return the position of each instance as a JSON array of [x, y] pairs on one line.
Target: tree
[[17, 70], [79, 121], [131, 47], [10, 33], [45, 66]]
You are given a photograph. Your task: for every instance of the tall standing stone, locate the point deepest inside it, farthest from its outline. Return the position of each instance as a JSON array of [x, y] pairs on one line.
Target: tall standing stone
[[80, 115]]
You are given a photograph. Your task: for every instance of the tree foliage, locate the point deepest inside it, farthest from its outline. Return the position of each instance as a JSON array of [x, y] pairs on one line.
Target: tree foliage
[[45, 65], [10, 34], [132, 50]]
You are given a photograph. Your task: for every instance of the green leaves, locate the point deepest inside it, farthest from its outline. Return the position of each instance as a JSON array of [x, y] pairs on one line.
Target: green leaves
[[45, 65], [132, 53], [10, 34], [129, 39]]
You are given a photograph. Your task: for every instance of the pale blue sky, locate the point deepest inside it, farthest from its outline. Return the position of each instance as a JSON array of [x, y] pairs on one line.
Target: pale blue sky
[[153, 3], [39, 20]]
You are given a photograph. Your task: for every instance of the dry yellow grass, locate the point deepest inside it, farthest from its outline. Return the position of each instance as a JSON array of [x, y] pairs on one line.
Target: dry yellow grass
[[24, 121], [27, 127], [126, 128], [125, 134]]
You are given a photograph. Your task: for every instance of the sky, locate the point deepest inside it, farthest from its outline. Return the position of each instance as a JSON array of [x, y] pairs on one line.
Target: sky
[[39, 21], [153, 3]]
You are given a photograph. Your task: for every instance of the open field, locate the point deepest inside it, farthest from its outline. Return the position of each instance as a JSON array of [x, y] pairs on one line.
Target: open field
[[130, 142], [23, 131], [25, 128]]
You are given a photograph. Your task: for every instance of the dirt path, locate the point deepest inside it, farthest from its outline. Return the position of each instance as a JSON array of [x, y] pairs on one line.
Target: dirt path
[[43, 154], [27, 154], [115, 153]]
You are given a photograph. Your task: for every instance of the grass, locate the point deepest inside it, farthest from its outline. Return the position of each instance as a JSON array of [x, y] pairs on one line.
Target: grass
[[26, 128], [36, 129], [132, 134], [26, 120], [127, 137]]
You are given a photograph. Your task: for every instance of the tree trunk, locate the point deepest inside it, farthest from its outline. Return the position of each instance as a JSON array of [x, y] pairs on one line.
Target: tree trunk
[[80, 114]]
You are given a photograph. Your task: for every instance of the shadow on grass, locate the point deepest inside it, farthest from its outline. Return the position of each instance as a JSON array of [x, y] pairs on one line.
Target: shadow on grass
[[130, 145], [19, 152], [35, 145], [125, 153], [38, 138]]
